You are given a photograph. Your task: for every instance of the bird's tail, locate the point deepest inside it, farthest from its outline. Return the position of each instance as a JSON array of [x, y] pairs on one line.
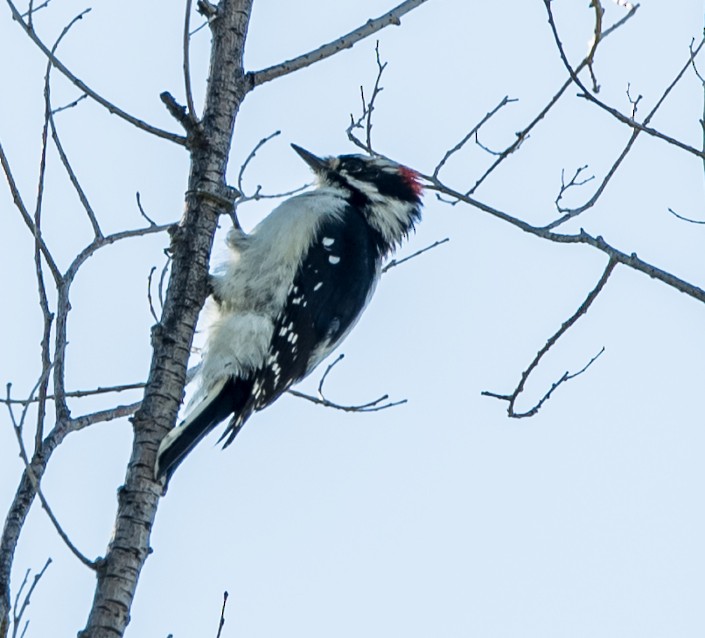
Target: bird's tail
[[222, 400]]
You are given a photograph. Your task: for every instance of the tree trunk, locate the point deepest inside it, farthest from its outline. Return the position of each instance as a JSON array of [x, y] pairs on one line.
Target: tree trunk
[[192, 240]]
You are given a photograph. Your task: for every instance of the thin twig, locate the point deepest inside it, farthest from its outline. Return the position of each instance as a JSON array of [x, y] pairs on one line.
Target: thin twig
[[473, 132], [586, 94], [257, 194], [187, 63], [321, 399], [55, 136], [17, 615], [221, 623], [633, 101], [595, 241], [70, 105], [26, 217], [149, 294], [597, 38], [47, 315], [82, 393], [368, 107], [73, 179], [685, 219], [17, 427], [251, 156], [32, 10], [398, 262], [162, 278], [637, 129], [142, 211], [574, 182], [524, 134], [371, 406]]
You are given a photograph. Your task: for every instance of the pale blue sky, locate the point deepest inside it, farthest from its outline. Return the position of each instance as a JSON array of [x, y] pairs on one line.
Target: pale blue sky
[[440, 517]]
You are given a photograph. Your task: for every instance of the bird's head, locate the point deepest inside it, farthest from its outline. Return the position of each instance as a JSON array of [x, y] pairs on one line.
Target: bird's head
[[389, 194]]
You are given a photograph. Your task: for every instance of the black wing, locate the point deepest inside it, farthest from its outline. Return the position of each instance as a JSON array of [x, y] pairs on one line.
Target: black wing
[[328, 294]]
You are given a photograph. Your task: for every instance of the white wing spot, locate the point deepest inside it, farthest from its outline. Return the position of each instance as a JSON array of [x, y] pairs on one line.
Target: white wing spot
[[334, 259], [328, 241], [317, 287]]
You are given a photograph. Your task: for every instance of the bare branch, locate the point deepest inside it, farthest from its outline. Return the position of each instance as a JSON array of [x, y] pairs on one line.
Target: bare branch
[[81, 393], [398, 262], [574, 181], [685, 219], [34, 480], [108, 240], [193, 128], [32, 10], [74, 180], [258, 194], [59, 147], [370, 406], [187, 62], [112, 108], [47, 315], [633, 101], [597, 242], [118, 412], [141, 209], [26, 217], [643, 127], [567, 376], [511, 398], [572, 213], [327, 50], [18, 611], [368, 107], [524, 134], [149, 294], [473, 133], [251, 156], [221, 623], [70, 105], [597, 38]]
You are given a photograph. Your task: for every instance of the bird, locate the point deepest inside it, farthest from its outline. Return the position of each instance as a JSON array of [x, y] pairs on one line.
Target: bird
[[292, 289]]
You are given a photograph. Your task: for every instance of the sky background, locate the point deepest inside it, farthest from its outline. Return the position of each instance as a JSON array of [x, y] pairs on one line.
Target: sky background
[[441, 517]]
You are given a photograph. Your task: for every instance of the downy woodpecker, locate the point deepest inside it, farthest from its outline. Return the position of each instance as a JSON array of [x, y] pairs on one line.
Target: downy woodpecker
[[293, 289]]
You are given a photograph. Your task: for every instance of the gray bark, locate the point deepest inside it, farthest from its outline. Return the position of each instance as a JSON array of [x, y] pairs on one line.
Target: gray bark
[[209, 145]]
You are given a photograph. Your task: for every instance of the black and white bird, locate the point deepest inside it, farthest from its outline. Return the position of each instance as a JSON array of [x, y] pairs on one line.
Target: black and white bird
[[293, 289]]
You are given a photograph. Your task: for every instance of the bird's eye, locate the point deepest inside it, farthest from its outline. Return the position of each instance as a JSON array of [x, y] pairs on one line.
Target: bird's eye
[[354, 166]]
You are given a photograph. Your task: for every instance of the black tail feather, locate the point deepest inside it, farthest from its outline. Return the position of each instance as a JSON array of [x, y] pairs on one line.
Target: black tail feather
[[179, 442]]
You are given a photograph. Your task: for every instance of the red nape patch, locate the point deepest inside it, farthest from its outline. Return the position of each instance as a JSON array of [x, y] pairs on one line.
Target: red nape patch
[[412, 179]]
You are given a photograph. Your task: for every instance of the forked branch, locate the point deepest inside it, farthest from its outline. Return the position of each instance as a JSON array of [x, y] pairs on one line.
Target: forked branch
[[110, 106], [567, 376]]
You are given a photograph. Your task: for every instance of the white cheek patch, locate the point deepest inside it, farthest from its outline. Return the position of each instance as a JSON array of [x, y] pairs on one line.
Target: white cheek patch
[[388, 215]]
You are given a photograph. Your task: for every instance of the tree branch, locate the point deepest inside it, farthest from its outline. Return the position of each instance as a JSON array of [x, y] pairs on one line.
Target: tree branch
[[370, 406], [597, 242], [512, 398], [327, 50], [112, 108], [586, 94], [19, 610], [187, 61]]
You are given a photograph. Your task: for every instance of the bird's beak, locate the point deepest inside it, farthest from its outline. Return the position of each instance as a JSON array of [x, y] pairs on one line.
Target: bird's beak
[[316, 163]]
